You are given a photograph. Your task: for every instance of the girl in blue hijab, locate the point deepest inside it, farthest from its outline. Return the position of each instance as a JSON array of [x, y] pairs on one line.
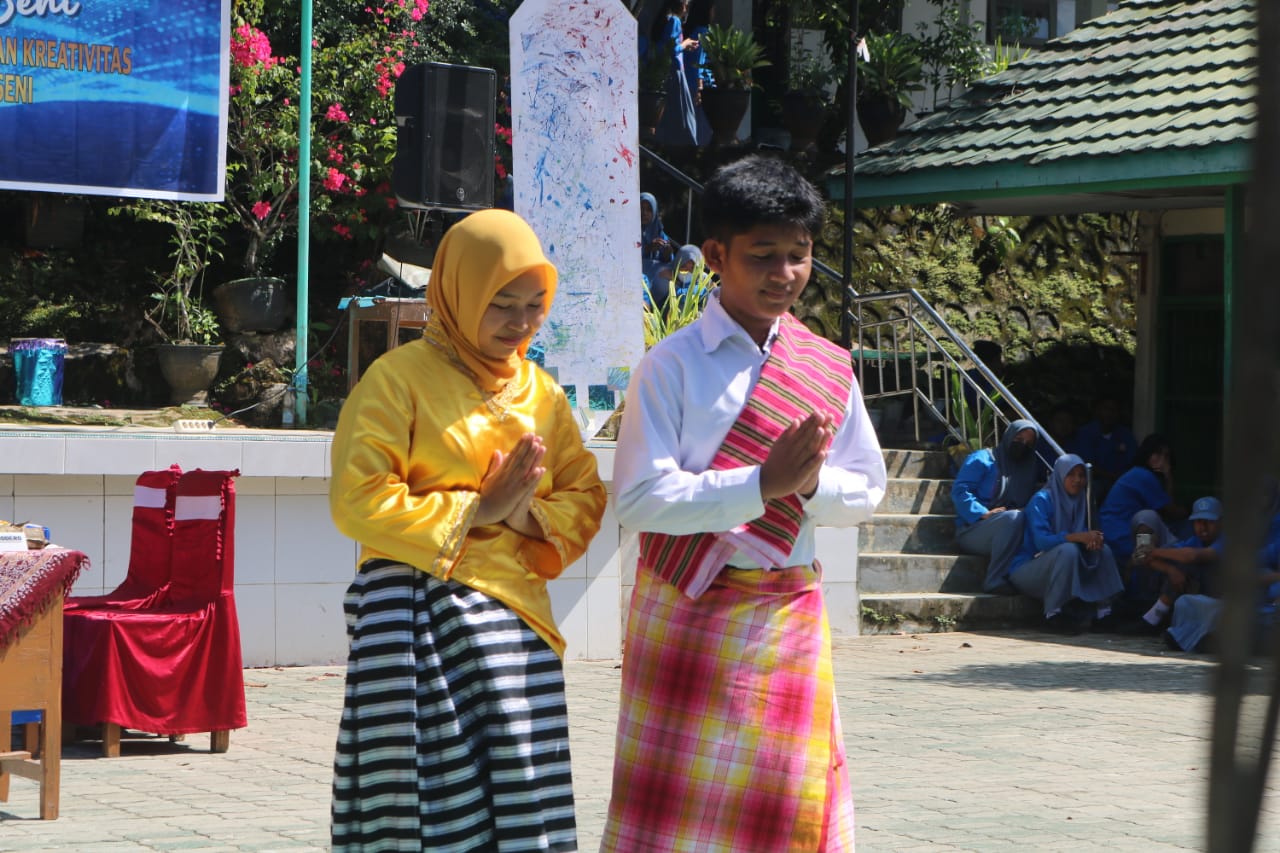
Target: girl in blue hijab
[[655, 246], [989, 493], [1061, 559]]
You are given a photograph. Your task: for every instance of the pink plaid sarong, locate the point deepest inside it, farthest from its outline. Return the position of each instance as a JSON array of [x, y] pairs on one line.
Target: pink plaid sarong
[[729, 737], [803, 374]]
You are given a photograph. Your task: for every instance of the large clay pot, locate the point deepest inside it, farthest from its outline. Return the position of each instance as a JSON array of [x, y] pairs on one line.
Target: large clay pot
[[257, 304], [880, 118], [803, 115], [725, 109], [190, 370]]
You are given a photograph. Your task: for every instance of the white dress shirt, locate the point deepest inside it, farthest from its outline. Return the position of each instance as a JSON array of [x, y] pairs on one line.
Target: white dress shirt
[[682, 400]]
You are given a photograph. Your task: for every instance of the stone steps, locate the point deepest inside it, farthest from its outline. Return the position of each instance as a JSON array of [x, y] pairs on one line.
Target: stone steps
[[885, 573], [910, 575], [910, 534], [926, 496], [926, 612]]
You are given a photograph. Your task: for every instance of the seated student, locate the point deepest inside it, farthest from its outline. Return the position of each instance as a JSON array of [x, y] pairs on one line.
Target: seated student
[[1179, 567], [989, 492], [1148, 485], [1106, 444], [1061, 427], [1196, 616], [658, 294], [656, 248], [1061, 560]]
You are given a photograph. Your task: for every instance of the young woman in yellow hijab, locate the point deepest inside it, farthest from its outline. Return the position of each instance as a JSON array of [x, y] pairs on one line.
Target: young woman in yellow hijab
[[458, 467]]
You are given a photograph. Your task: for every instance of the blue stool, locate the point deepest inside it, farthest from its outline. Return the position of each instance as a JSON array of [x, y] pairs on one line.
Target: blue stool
[[30, 722]]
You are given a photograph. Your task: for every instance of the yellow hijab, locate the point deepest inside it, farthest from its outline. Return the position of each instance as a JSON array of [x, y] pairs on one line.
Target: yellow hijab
[[477, 258]]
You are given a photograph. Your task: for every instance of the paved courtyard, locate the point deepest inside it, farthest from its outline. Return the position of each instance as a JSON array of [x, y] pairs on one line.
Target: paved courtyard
[[957, 742]]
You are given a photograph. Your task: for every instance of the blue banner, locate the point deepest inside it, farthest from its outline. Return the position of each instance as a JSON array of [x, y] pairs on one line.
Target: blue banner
[[115, 97]]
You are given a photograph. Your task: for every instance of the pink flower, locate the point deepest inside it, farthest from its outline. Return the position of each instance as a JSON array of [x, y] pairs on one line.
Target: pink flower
[[336, 113], [342, 231], [334, 180], [335, 156], [250, 47], [261, 209]]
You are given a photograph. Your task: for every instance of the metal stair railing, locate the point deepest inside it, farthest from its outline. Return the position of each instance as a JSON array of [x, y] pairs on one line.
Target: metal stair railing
[[905, 349]]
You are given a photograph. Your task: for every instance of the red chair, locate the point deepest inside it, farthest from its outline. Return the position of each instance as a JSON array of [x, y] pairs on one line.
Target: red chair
[[150, 544], [171, 666]]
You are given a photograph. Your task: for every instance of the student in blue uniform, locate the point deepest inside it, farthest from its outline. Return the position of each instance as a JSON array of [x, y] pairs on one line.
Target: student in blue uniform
[[1061, 561], [656, 248], [989, 493], [1184, 566], [679, 122], [1196, 616], [1108, 445], [1148, 485]]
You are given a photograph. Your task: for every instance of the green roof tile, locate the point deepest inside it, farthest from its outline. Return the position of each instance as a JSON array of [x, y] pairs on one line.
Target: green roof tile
[[1151, 76]]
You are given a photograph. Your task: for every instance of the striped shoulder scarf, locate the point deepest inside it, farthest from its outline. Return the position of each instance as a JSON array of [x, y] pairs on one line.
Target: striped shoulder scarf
[[804, 373]]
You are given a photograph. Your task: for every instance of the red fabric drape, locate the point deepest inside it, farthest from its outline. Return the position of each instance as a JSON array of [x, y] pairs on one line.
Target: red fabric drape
[[172, 666], [149, 544]]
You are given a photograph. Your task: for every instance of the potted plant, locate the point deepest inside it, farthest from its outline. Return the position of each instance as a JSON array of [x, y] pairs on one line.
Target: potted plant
[[262, 175], [889, 73], [810, 75], [733, 55], [192, 348]]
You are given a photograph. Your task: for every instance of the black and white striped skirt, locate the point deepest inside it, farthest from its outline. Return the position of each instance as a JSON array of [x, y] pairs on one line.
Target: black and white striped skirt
[[454, 735]]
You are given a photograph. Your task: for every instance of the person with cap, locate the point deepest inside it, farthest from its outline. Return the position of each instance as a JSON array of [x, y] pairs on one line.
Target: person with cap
[[989, 493], [1195, 617], [1183, 566], [459, 467]]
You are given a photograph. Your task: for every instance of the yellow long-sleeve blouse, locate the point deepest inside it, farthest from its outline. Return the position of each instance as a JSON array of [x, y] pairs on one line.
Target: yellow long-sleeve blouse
[[414, 440]]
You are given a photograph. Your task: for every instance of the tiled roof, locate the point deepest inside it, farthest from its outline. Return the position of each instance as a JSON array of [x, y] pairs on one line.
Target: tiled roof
[[1152, 76]]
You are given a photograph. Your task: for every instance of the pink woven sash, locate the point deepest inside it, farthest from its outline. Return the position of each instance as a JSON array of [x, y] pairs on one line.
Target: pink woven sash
[[803, 373]]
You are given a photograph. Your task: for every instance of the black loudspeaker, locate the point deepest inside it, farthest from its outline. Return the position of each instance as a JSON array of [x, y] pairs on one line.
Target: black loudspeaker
[[444, 137]]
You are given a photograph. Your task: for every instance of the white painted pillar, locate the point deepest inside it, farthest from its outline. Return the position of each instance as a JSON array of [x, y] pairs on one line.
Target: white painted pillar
[[576, 170]]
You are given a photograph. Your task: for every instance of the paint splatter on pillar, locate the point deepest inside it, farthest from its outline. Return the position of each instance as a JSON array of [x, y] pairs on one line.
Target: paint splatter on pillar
[[577, 181]]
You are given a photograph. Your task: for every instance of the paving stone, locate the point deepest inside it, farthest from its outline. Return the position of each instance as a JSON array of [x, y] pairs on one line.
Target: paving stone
[[956, 742]]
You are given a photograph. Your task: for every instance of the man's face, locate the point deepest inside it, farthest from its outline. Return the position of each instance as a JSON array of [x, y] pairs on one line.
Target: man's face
[[762, 272], [1206, 530]]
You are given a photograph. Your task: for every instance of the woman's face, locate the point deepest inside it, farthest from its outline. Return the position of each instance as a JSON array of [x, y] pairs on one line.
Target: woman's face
[[514, 314], [1073, 483], [1159, 460], [646, 213]]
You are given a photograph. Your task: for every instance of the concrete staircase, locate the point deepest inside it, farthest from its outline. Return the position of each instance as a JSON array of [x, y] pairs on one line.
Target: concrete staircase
[[910, 575]]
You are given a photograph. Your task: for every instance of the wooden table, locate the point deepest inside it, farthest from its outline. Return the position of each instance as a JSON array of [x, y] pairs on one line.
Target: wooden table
[[396, 313], [33, 585]]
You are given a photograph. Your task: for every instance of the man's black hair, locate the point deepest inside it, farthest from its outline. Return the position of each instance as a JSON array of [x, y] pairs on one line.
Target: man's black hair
[[759, 190], [1151, 445], [699, 14]]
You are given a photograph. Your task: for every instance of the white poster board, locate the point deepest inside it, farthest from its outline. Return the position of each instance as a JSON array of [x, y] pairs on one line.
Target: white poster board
[[576, 170]]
